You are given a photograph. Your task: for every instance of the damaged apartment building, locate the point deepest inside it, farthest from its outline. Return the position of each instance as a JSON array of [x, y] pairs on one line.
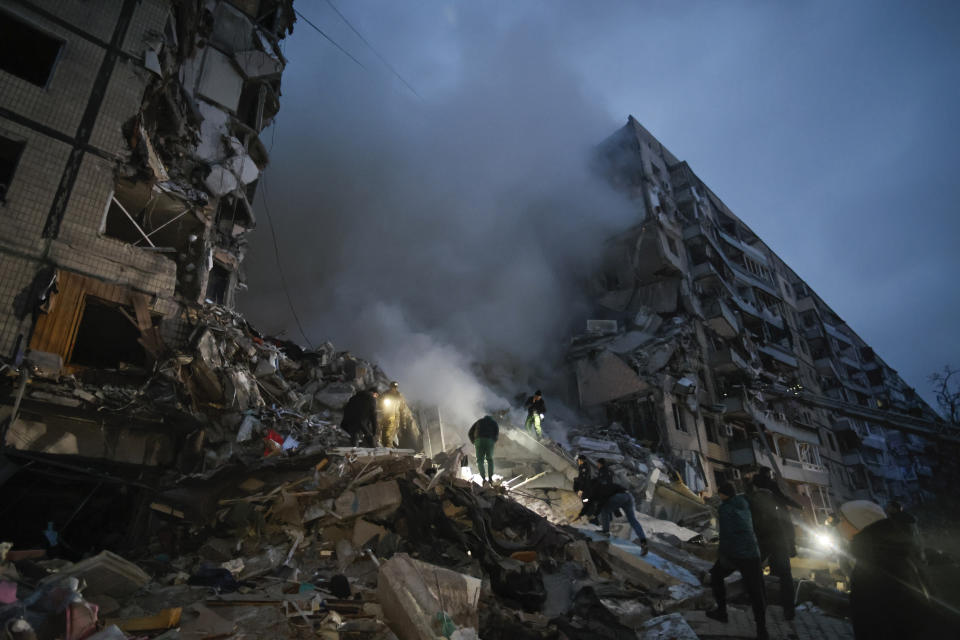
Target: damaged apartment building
[[129, 157], [707, 344]]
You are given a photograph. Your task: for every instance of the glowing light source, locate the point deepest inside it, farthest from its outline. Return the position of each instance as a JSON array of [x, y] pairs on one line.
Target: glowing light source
[[824, 540]]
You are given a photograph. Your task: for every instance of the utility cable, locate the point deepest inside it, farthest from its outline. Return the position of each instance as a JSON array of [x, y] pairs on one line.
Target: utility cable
[[276, 253], [375, 52], [331, 40]]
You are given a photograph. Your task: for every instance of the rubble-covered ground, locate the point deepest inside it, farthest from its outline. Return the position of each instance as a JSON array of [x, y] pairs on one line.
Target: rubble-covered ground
[[264, 524]]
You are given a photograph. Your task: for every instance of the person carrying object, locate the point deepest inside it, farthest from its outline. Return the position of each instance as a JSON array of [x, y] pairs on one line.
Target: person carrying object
[[483, 434]]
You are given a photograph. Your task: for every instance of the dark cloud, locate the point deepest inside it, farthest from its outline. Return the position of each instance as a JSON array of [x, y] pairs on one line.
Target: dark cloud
[[460, 223]]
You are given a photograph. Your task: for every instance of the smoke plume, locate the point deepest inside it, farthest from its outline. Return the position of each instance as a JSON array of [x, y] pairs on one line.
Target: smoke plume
[[446, 238]]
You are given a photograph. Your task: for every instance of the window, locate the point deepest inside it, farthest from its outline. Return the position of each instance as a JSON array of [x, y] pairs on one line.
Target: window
[[10, 151], [25, 51], [678, 418], [106, 336], [218, 284], [713, 433]]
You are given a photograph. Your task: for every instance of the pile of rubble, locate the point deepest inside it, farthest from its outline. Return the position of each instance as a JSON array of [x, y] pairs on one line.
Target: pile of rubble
[[350, 544], [232, 393]]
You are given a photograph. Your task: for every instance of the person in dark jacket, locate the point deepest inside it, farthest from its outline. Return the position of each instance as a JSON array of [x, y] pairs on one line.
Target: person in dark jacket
[[888, 595], [360, 417], [583, 485], [610, 497], [536, 409], [775, 537], [483, 434], [738, 552]]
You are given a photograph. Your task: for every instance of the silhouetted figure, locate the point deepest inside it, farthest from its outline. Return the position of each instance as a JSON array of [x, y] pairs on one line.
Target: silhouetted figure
[[888, 597], [360, 418], [775, 535], [483, 434], [738, 552]]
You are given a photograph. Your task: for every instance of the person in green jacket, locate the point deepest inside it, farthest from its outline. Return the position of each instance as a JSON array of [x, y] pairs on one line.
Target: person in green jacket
[[738, 552], [483, 434]]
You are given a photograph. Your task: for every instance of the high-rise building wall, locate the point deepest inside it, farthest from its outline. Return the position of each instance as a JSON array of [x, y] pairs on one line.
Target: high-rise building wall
[[709, 346], [129, 156]]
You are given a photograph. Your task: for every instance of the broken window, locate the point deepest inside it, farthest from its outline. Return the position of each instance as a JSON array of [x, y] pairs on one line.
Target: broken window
[[10, 151], [107, 336], [233, 212], [218, 284], [678, 418], [27, 52], [713, 432]]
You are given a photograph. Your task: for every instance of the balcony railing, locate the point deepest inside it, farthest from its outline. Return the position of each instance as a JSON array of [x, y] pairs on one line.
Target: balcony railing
[[805, 472], [728, 361], [721, 319]]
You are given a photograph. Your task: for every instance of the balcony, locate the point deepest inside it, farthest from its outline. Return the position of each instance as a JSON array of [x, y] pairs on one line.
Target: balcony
[[728, 361], [836, 333], [852, 458], [754, 253], [779, 353], [736, 407], [744, 453], [875, 441], [705, 270], [721, 319], [805, 472], [745, 276]]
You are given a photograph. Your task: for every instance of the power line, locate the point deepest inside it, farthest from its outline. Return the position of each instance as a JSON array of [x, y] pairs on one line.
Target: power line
[[331, 40], [371, 47], [276, 253]]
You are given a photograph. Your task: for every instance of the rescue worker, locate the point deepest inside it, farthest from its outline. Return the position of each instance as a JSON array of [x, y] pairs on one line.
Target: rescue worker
[[396, 424], [536, 408], [483, 434], [775, 536], [360, 417], [583, 486], [610, 497], [888, 595], [738, 551]]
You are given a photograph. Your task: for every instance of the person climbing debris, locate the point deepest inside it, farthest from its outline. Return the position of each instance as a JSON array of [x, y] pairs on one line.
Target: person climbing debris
[[483, 434], [536, 410], [738, 552], [611, 497]]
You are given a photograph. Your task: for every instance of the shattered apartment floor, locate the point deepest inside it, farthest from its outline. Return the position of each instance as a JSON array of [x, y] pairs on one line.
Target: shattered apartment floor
[[264, 523]]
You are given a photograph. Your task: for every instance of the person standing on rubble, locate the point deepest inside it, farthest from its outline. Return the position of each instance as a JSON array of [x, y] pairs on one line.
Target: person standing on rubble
[[610, 497], [483, 434], [360, 417], [536, 409], [583, 485], [775, 535], [738, 552], [396, 419]]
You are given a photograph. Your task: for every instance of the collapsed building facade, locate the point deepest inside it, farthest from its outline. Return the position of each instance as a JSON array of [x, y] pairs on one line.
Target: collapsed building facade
[[130, 153], [708, 345]]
